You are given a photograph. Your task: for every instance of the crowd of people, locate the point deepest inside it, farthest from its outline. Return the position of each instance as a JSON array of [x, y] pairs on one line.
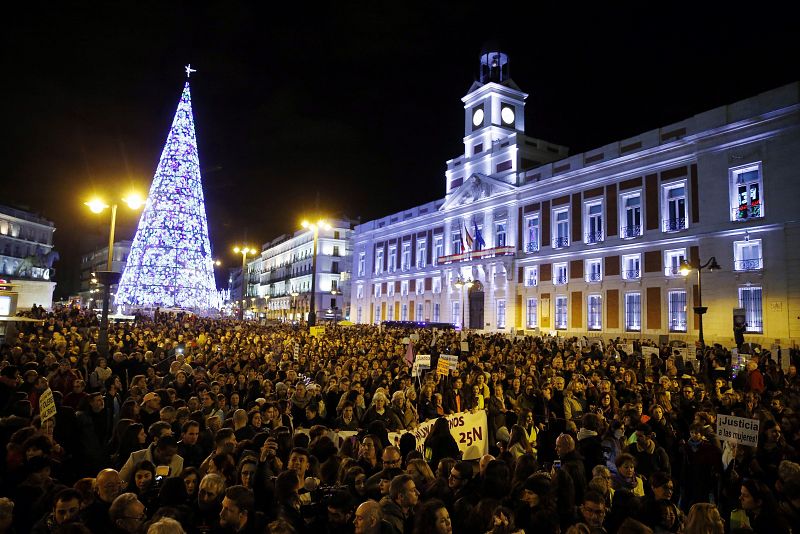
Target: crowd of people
[[214, 425]]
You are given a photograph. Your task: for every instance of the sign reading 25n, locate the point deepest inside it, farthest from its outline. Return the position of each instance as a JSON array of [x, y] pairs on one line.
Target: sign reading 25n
[[471, 436]]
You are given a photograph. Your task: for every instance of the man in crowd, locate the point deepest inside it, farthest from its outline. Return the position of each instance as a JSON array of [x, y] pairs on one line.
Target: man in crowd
[[107, 487], [127, 514], [398, 506], [66, 509], [238, 512], [163, 452]]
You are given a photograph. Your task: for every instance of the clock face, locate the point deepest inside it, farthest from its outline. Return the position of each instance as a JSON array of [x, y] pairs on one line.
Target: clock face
[[477, 117], [507, 114]]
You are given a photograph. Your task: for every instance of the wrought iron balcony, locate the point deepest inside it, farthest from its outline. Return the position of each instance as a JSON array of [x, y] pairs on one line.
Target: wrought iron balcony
[[531, 282], [594, 237], [560, 242], [632, 274], [677, 325], [672, 270], [560, 280], [594, 277], [675, 225], [532, 246], [754, 264], [747, 212], [629, 232]]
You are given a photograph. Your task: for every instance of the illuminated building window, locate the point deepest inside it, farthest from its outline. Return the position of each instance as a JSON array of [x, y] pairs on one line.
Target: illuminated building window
[[746, 192]]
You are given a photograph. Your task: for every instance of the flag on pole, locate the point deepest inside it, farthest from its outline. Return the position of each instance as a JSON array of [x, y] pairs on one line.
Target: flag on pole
[[479, 242], [410, 353], [467, 239]]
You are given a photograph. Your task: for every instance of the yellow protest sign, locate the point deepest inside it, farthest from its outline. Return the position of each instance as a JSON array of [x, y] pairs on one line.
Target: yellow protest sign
[[317, 331], [443, 367], [47, 405]]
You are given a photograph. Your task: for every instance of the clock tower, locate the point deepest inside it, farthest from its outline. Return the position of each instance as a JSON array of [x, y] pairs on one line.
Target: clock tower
[[495, 144]]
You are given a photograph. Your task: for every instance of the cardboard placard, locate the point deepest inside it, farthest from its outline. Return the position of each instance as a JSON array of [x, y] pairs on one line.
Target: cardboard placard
[[738, 430], [443, 367], [451, 360], [47, 405], [464, 346], [422, 361]]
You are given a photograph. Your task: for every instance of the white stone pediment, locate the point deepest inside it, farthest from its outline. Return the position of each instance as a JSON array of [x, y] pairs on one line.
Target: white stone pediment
[[475, 188]]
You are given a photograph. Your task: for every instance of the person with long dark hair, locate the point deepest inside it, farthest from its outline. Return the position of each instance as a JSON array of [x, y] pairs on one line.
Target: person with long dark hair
[[759, 504], [440, 443], [433, 518], [133, 439]]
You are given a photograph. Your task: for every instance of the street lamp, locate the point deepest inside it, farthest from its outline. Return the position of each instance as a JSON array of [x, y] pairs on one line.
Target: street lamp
[[460, 284], [685, 268], [109, 277], [315, 228], [294, 294], [335, 292], [244, 252]]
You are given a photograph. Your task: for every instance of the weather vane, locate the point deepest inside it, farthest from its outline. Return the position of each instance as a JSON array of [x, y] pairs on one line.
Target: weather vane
[[189, 70]]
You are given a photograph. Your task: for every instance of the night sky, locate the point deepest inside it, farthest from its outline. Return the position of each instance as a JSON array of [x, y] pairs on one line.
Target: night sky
[[350, 108]]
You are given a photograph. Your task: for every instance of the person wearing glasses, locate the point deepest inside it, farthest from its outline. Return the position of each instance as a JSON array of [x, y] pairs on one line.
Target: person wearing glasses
[[593, 512], [127, 513]]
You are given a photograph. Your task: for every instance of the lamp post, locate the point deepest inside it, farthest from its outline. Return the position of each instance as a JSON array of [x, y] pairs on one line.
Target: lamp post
[[294, 294], [315, 228], [685, 268], [335, 292], [109, 277], [244, 252], [460, 284]]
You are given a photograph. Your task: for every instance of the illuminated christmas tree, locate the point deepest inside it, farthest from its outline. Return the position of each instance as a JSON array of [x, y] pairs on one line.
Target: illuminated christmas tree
[[170, 263]]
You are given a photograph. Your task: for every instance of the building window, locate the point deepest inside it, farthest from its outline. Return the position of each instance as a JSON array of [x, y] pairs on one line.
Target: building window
[[673, 260], [631, 215], [593, 225], [422, 248], [437, 284], [392, 259], [561, 228], [674, 207], [436, 308], [420, 313], [455, 242], [750, 300], [379, 261], [501, 313], [531, 276], [561, 312], [390, 312], [532, 317], [360, 291], [747, 255], [560, 276], [594, 271], [633, 312], [532, 233], [377, 291], [438, 249], [404, 288], [406, 258], [631, 266], [404, 312], [595, 312], [456, 317], [746, 186], [677, 310], [362, 264], [420, 286], [390, 289], [336, 250], [500, 234]]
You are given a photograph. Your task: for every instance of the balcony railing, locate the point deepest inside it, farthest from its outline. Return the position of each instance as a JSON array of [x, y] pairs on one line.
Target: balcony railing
[[675, 225], [477, 254], [754, 264], [677, 325], [594, 237], [531, 282], [532, 246], [560, 242], [672, 270], [631, 274], [560, 280], [629, 232], [594, 277], [747, 212]]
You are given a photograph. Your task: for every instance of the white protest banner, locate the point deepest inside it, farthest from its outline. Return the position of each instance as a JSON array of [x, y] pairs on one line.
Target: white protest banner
[[627, 348], [738, 430], [649, 353], [47, 405], [422, 361], [464, 346], [470, 430], [451, 360]]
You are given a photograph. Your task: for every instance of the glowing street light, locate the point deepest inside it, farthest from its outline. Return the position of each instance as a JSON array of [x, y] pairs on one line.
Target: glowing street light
[[315, 228], [685, 269], [109, 277], [244, 251]]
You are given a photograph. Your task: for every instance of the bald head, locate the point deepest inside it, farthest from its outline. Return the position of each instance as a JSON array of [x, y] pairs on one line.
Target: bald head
[[485, 459], [368, 518], [565, 444], [108, 484]]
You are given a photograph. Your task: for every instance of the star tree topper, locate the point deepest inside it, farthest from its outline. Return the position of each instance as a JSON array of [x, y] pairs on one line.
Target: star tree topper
[[189, 70]]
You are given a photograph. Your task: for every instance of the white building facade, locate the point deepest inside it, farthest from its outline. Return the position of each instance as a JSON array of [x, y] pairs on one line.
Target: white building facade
[[97, 260], [592, 243], [279, 279]]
